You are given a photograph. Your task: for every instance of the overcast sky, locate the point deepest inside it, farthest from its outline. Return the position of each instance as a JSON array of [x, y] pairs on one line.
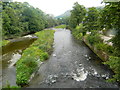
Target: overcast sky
[[57, 7]]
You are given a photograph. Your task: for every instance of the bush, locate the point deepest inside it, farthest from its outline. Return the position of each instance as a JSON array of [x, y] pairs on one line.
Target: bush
[[77, 35], [114, 63], [94, 38], [4, 42], [61, 26], [31, 57], [77, 32], [68, 27], [105, 47]]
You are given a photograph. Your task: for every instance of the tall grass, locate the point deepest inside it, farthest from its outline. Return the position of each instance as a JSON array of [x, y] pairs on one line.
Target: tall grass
[[37, 52], [60, 26], [4, 42]]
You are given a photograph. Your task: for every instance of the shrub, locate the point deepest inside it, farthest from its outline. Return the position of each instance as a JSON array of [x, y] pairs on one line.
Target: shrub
[[94, 38], [61, 26], [114, 63], [78, 35], [78, 32], [105, 47], [4, 42], [31, 57], [68, 27]]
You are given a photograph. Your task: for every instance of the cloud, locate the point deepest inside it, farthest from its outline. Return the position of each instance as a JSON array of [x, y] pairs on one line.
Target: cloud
[[57, 7]]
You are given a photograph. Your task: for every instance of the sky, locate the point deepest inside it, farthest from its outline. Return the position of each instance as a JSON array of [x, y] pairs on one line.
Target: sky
[[58, 7]]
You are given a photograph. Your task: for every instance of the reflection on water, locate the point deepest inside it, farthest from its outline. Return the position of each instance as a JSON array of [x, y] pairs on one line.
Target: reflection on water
[[14, 59], [11, 53], [72, 65]]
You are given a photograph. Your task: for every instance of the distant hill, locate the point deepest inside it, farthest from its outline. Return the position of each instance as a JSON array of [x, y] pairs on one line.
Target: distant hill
[[66, 14], [98, 7]]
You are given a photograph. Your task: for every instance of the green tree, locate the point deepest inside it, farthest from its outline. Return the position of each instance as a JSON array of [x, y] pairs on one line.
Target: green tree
[[77, 15], [22, 18], [111, 20], [91, 20]]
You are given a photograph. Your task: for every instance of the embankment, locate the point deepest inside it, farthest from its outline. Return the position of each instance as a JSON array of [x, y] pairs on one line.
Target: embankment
[[33, 56]]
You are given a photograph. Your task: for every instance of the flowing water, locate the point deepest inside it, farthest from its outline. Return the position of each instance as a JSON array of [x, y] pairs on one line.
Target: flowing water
[[11, 53], [71, 65]]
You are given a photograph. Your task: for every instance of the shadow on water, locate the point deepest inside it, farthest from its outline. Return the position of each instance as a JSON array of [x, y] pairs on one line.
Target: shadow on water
[[71, 65], [11, 53]]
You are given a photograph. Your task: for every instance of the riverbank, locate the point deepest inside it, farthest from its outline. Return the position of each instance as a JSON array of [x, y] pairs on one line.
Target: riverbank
[[11, 53], [71, 65], [33, 56], [60, 26], [101, 54], [108, 58], [103, 48], [4, 42]]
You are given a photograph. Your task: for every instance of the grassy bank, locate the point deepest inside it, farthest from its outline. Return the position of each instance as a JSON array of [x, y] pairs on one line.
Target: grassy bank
[[31, 57], [4, 42], [102, 50], [60, 26], [76, 32], [106, 53]]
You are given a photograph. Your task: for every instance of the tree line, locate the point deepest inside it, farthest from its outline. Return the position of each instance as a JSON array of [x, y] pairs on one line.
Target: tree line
[[21, 18], [94, 20]]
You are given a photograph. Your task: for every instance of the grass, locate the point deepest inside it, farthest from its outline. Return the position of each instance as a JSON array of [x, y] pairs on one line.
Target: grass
[[61, 26], [4, 42], [10, 87], [37, 52], [113, 61], [77, 32]]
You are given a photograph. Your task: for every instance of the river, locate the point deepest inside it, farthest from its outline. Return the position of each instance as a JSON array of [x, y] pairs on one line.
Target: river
[[71, 65], [11, 53]]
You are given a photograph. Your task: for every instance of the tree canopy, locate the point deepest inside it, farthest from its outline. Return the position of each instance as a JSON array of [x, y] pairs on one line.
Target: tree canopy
[[77, 15], [22, 18]]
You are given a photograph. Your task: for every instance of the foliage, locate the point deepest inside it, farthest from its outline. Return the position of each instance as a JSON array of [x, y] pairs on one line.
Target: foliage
[[111, 20], [31, 57], [78, 35], [114, 63], [116, 44], [77, 15], [21, 18], [94, 38], [61, 26], [77, 32], [9, 87], [4, 42], [91, 20], [95, 20], [105, 47]]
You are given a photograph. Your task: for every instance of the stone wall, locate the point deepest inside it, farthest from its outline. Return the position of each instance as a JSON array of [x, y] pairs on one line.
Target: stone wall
[[102, 55]]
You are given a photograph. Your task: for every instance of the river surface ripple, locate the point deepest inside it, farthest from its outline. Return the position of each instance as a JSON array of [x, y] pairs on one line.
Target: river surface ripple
[[71, 65]]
